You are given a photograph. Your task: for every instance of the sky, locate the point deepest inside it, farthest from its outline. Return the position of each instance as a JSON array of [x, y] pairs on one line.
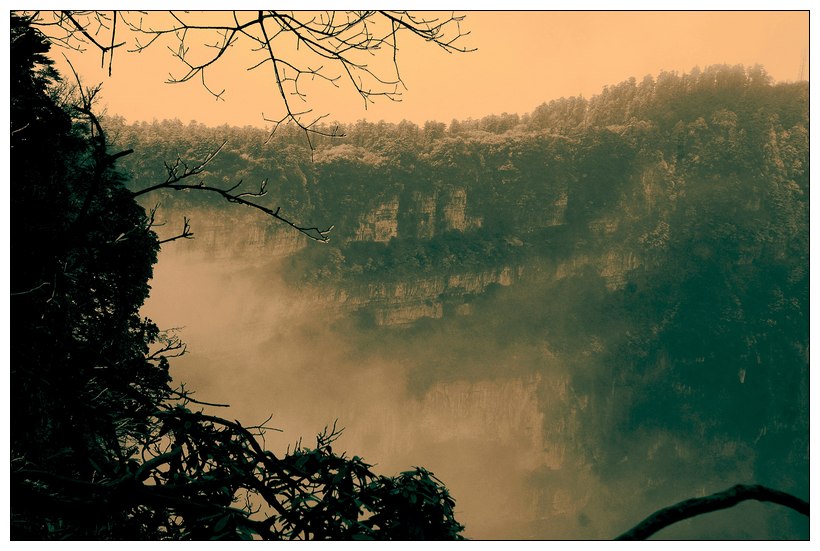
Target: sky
[[522, 59]]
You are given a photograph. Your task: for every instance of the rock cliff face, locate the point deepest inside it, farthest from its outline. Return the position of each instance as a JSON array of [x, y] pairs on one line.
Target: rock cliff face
[[575, 407], [380, 224], [238, 233], [425, 216], [401, 303], [613, 266], [507, 409], [503, 409], [424, 208], [454, 212]]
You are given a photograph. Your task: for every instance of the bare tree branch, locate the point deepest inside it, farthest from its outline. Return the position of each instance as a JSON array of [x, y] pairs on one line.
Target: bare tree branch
[[186, 396], [707, 504], [327, 46], [177, 171], [99, 157], [180, 171], [82, 29], [171, 346], [40, 286], [186, 232]]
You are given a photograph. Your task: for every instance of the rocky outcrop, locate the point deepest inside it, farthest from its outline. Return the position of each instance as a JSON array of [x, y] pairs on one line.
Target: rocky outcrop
[[379, 224], [454, 212], [402, 303], [405, 302], [497, 409], [425, 215], [613, 266], [408, 312], [424, 210]]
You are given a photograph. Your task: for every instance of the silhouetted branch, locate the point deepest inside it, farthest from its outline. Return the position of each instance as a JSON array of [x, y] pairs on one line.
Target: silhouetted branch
[[707, 504], [333, 47], [179, 171], [40, 286], [13, 132], [100, 158], [82, 29], [186, 232], [171, 346], [186, 397], [174, 174]]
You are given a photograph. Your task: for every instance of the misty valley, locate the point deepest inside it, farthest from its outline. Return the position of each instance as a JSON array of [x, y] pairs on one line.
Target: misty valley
[[573, 317]]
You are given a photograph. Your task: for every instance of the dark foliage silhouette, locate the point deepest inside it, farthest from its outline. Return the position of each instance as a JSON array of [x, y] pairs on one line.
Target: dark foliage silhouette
[[102, 446]]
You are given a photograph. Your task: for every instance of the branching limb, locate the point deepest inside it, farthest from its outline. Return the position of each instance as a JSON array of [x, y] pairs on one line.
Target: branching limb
[[707, 504], [340, 48], [99, 157], [186, 232], [170, 345], [180, 171], [82, 29], [176, 173], [186, 397], [40, 286]]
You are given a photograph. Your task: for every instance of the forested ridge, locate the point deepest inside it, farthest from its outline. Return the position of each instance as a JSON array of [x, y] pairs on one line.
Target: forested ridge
[[660, 230], [636, 159]]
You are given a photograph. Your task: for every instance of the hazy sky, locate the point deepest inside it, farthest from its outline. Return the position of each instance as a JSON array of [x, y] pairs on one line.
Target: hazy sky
[[523, 59]]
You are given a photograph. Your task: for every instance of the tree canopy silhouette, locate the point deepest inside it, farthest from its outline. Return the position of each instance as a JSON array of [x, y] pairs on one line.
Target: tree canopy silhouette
[[102, 445]]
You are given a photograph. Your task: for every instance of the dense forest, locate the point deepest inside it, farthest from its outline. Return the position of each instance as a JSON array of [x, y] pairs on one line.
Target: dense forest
[[639, 165], [654, 235]]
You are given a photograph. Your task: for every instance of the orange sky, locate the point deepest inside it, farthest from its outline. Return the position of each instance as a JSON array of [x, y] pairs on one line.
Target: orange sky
[[523, 60]]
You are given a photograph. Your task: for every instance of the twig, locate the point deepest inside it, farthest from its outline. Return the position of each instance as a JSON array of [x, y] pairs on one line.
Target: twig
[[40, 286], [186, 232]]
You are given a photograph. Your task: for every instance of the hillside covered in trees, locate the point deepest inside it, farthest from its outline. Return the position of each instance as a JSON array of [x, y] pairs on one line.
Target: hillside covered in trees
[[660, 148], [653, 237]]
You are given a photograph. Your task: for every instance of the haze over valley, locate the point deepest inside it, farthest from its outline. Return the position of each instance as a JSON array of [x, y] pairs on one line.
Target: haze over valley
[[574, 317]]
